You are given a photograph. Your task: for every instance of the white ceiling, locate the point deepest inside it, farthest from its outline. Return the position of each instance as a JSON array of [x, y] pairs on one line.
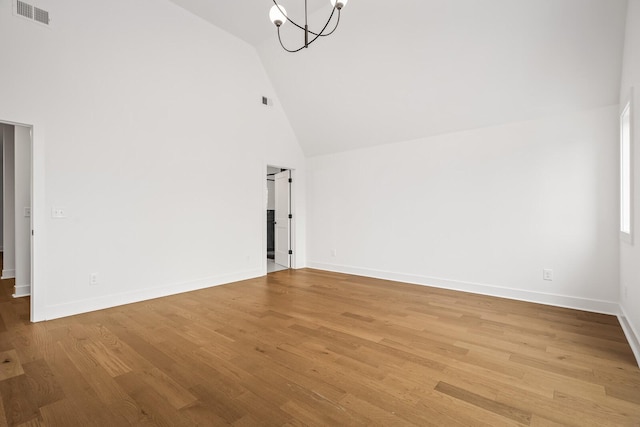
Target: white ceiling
[[395, 71], [247, 19]]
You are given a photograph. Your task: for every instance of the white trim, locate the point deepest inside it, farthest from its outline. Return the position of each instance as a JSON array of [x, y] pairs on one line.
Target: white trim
[[628, 108], [22, 291], [8, 274], [109, 301], [38, 224], [596, 306], [629, 331]]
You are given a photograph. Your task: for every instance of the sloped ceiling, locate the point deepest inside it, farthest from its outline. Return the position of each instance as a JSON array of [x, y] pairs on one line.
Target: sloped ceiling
[[395, 71]]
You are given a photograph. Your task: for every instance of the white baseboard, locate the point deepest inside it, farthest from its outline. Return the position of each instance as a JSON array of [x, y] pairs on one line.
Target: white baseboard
[[631, 333], [8, 274], [22, 291], [84, 306], [596, 306]]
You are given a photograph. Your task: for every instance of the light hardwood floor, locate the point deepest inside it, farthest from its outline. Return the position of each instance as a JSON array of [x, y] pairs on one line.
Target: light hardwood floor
[[317, 348]]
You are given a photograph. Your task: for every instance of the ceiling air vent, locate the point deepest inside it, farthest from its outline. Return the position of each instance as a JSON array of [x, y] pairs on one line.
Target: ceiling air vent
[[31, 12]]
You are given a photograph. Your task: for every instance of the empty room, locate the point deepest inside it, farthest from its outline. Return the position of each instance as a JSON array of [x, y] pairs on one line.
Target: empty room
[[320, 212]]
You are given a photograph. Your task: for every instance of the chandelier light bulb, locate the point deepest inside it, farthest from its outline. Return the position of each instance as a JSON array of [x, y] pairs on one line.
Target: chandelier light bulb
[[339, 4], [278, 15]]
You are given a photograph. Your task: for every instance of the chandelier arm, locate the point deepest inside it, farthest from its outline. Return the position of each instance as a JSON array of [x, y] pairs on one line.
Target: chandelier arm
[[303, 29], [289, 50], [334, 28], [325, 27], [320, 34]]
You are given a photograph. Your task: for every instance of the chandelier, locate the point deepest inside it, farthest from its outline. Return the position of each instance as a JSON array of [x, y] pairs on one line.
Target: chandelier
[[278, 16]]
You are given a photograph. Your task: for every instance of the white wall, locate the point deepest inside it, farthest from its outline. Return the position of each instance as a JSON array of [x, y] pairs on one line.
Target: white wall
[[132, 104], [630, 253], [484, 211], [22, 151], [8, 223]]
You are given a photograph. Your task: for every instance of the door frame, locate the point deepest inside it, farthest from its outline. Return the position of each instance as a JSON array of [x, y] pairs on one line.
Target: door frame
[[36, 308], [292, 222]]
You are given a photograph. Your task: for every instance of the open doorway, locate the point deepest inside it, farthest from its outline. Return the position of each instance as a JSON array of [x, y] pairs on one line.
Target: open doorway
[[279, 218], [15, 209]]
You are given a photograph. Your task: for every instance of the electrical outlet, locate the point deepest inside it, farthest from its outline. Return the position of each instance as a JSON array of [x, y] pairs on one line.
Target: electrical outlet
[[547, 274], [27, 212], [333, 252], [625, 291], [93, 279], [58, 212]]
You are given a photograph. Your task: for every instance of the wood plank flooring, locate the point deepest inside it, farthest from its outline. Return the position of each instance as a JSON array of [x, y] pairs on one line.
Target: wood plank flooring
[[310, 347]]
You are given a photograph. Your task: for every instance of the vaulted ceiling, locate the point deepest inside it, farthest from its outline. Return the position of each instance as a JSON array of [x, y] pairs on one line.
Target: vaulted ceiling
[[395, 71]]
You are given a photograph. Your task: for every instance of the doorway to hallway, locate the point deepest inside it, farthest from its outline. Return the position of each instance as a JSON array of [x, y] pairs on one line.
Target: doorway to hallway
[[16, 235], [279, 219]]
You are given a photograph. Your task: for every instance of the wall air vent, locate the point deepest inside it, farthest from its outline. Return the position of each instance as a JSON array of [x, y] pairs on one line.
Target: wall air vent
[[24, 9], [31, 12], [42, 16]]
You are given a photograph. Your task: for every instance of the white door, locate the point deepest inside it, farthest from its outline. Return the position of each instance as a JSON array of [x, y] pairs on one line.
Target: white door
[[282, 221]]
